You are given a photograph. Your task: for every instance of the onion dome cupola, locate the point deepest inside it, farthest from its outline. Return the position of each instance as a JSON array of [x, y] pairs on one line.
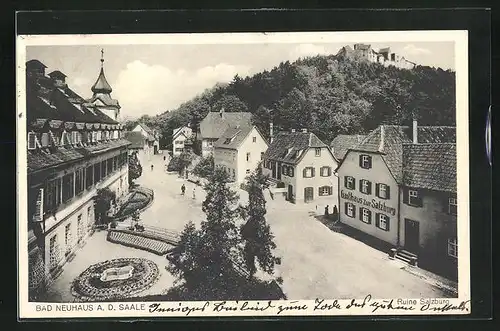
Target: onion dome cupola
[[101, 85]]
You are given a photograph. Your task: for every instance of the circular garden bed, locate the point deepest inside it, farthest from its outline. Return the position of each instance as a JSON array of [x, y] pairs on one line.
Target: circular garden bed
[[138, 201], [90, 285]]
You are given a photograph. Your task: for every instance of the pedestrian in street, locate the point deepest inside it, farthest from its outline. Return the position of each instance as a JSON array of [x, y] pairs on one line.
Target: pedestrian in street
[[194, 192], [152, 167], [183, 189], [327, 211], [164, 157]]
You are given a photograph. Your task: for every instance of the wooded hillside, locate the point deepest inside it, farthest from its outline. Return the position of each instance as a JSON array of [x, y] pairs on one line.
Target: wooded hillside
[[326, 95]]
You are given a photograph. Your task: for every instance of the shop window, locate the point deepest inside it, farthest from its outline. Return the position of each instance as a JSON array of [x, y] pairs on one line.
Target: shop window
[[365, 215], [325, 171], [453, 247], [382, 222], [383, 191], [350, 182], [365, 186], [452, 206], [325, 190], [350, 210], [365, 161], [317, 152], [308, 172]]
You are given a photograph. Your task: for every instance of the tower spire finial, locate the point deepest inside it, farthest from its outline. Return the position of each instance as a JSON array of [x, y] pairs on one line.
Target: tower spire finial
[[102, 57]]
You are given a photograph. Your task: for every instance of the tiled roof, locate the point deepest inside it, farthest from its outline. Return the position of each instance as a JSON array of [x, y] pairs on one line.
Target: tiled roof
[[136, 138], [44, 158], [234, 136], [430, 166], [388, 140], [290, 146], [45, 100], [341, 143], [215, 123]]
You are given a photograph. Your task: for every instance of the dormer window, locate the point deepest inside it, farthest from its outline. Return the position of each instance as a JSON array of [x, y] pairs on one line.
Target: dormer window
[[32, 141], [45, 139]]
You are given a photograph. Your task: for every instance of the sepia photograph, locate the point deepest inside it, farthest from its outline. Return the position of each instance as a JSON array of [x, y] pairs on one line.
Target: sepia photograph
[[243, 174]]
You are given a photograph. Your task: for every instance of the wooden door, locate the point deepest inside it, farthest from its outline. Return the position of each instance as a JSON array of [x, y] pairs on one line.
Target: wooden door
[[412, 236], [308, 194], [290, 193]]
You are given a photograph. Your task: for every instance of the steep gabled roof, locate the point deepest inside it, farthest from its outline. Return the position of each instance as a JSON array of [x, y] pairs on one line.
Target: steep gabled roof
[[233, 137], [343, 142], [430, 166], [215, 123], [289, 147]]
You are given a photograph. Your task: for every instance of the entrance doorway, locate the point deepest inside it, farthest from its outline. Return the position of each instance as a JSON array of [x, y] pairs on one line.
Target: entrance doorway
[[290, 193], [412, 235], [279, 171], [155, 149], [273, 168], [308, 194]]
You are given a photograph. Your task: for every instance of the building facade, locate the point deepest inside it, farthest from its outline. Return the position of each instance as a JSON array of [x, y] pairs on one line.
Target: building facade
[[151, 140], [377, 197], [181, 140], [302, 164], [73, 150], [239, 151], [215, 124]]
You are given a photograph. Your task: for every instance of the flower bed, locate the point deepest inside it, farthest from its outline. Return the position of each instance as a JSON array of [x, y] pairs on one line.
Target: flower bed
[[138, 201], [89, 286]]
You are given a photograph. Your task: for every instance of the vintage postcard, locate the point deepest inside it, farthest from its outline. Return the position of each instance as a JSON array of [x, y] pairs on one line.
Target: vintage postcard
[[243, 174]]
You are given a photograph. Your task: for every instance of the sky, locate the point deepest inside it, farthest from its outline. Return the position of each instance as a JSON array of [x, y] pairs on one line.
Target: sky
[[150, 79]]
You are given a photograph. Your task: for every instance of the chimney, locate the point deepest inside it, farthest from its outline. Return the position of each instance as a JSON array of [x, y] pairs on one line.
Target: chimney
[[304, 130], [382, 138], [271, 133], [293, 130], [415, 128]]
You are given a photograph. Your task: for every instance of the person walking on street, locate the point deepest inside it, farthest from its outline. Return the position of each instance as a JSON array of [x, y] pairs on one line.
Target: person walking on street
[[164, 157], [327, 211], [194, 192], [183, 189], [152, 167]]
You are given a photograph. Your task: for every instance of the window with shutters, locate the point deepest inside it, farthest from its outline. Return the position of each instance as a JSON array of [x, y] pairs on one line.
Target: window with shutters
[[350, 210], [54, 256], [383, 222], [68, 187], [365, 215], [291, 171], [453, 247], [89, 177], [325, 190], [452, 206], [79, 181], [365, 161], [45, 139], [74, 137], [68, 238], [90, 218], [39, 204], [350, 182], [383, 191], [325, 171], [97, 172], [32, 141], [284, 170], [80, 229], [365, 186], [308, 172]]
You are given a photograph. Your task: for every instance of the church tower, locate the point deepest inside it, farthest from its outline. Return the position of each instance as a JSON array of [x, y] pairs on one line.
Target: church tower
[[101, 98]]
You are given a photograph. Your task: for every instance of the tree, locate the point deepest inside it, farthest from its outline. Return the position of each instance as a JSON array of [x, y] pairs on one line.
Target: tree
[[230, 103], [205, 167], [180, 163], [204, 258], [102, 204], [256, 233], [134, 168]]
